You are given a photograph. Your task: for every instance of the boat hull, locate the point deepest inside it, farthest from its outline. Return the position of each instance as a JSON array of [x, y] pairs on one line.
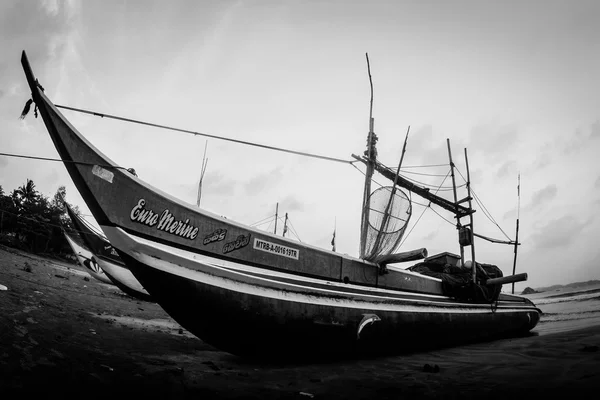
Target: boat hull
[[122, 278], [106, 257], [84, 257], [260, 317], [253, 293]]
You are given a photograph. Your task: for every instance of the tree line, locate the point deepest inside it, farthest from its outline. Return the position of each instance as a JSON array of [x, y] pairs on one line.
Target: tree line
[[33, 222]]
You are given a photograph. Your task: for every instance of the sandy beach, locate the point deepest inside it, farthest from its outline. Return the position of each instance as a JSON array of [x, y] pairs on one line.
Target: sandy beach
[[63, 333]]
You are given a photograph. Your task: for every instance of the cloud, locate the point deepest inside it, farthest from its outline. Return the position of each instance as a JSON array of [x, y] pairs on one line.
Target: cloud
[[290, 204], [51, 177], [3, 162], [431, 235], [431, 150], [595, 130], [544, 195], [538, 200], [506, 169], [261, 182], [216, 185], [581, 139], [597, 183], [575, 142], [493, 140], [559, 232], [213, 186], [511, 214], [542, 161]]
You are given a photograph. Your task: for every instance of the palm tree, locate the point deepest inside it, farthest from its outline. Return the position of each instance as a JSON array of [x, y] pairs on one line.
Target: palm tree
[[27, 193]]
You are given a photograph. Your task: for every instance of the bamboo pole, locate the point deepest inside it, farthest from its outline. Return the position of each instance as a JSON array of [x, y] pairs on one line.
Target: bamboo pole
[[462, 250], [517, 229], [474, 270], [386, 213], [202, 171], [507, 279], [276, 212]]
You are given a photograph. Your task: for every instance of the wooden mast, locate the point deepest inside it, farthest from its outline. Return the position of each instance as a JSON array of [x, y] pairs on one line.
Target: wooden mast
[[458, 224], [371, 155]]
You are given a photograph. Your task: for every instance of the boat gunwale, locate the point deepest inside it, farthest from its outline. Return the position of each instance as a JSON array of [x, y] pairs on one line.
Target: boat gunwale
[[292, 278], [136, 248]]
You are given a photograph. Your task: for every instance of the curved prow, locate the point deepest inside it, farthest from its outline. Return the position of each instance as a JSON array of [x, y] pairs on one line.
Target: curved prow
[[28, 73]]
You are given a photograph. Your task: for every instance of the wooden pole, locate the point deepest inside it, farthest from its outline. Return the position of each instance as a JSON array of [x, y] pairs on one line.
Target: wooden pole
[[402, 155], [462, 251], [386, 215], [202, 171], [276, 211], [369, 170], [515, 259], [507, 279], [474, 267], [517, 229]]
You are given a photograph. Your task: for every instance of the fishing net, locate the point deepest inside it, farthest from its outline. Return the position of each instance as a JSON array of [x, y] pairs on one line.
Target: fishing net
[[388, 213]]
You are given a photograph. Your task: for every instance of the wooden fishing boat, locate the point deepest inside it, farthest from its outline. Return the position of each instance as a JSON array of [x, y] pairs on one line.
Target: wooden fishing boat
[[107, 258], [85, 259], [252, 293]]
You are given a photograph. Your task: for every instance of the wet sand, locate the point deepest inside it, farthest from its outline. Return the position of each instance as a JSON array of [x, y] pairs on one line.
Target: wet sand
[[63, 333]]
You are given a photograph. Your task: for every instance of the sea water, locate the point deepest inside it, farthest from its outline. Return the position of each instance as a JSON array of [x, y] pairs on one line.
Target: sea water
[[567, 309]]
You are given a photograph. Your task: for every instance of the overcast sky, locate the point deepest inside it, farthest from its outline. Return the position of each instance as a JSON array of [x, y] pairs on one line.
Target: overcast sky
[[515, 82]]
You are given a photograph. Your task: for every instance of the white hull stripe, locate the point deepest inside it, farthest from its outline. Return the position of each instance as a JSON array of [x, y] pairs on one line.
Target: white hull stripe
[[175, 264]]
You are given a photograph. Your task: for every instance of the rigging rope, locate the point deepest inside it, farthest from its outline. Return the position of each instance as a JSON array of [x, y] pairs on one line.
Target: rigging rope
[[372, 180], [424, 209], [419, 173], [483, 208], [425, 166], [263, 221], [300, 153], [416, 202], [442, 217], [326, 158], [59, 160], [294, 230], [439, 188]]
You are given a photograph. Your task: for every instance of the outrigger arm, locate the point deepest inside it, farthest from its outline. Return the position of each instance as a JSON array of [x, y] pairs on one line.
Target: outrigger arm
[[459, 210]]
